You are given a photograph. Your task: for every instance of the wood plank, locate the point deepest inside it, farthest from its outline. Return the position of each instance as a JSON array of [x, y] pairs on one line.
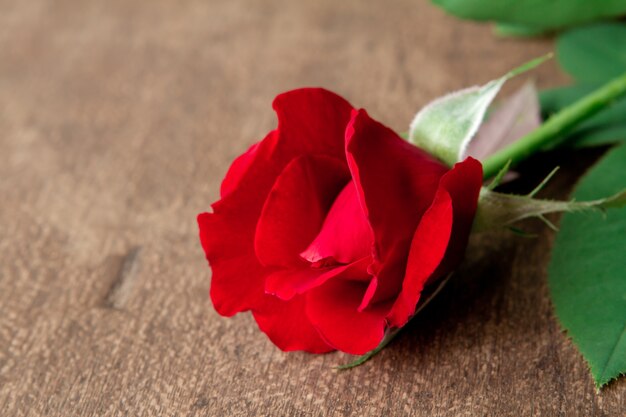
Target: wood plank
[[117, 122]]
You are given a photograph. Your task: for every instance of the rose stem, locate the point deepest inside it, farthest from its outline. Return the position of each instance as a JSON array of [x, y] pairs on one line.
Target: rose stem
[[556, 126]]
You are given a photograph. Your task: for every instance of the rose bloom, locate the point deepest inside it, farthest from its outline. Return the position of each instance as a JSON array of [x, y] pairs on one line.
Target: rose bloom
[[330, 227]]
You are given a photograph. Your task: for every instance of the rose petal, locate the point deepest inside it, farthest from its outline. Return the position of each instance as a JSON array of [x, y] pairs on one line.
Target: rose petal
[[229, 254], [312, 121], [427, 250], [227, 235], [396, 183], [286, 283], [463, 183], [346, 234], [369, 294], [238, 170], [287, 326], [333, 310], [296, 206]]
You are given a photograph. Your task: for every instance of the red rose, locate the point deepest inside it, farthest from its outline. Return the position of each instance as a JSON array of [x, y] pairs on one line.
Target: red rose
[[329, 228]]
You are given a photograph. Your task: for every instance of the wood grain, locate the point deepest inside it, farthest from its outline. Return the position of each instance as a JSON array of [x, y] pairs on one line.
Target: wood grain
[[118, 120]]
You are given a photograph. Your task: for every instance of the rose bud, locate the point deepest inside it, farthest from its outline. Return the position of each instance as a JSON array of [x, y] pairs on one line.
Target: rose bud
[[330, 227]]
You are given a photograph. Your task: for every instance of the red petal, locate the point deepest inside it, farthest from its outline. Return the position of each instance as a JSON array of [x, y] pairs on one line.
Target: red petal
[[346, 235], [369, 294], [396, 182], [310, 121], [287, 326], [333, 310], [231, 290], [238, 170], [313, 121], [427, 250], [463, 183], [286, 283], [296, 206], [227, 235]]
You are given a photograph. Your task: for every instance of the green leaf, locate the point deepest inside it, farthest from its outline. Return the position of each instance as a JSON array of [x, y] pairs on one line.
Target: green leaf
[[586, 273], [556, 99], [445, 127], [541, 15], [594, 53], [604, 136], [606, 127], [516, 30]]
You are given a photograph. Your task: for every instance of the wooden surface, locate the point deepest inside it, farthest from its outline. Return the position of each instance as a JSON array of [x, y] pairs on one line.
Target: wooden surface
[[118, 120]]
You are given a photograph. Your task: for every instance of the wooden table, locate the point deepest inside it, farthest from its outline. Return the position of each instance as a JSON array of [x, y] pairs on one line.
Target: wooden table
[[118, 120]]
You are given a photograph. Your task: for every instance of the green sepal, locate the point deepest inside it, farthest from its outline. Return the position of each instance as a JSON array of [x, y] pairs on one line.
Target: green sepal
[[445, 127]]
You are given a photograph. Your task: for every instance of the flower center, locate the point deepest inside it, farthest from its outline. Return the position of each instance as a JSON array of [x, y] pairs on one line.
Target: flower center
[[345, 236]]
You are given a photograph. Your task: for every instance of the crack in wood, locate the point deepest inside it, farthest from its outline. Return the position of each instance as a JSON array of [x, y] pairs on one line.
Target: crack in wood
[[122, 286]]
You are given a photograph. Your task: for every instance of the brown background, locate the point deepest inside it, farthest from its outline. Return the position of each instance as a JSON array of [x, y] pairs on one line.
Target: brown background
[[118, 120]]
